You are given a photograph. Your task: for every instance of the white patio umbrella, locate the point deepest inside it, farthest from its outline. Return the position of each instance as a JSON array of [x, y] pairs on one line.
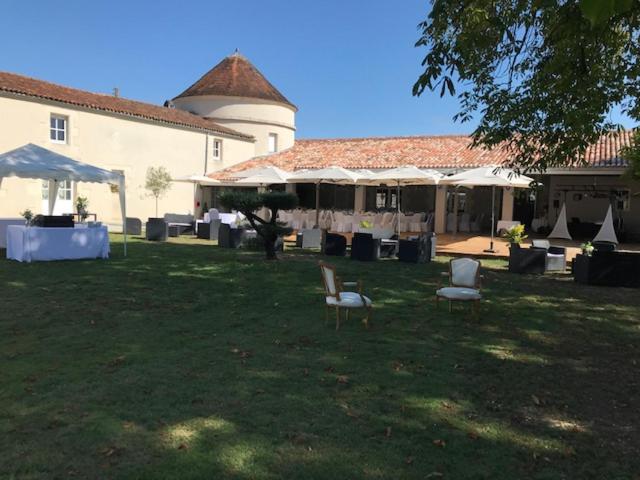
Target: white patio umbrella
[[271, 176], [491, 176], [337, 175], [196, 180], [268, 171], [404, 176]]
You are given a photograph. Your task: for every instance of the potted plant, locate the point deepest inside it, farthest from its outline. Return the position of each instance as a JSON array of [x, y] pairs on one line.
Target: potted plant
[[28, 217], [587, 248], [82, 204], [515, 235]]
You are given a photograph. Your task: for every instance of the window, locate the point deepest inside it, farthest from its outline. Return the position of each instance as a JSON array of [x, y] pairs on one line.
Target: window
[[273, 142], [64, 190], [58, 129], [217, 149]]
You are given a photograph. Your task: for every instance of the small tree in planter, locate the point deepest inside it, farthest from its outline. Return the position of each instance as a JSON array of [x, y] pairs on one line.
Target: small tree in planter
[[248, 203], [82, 205], [515, 235], [158, 183]]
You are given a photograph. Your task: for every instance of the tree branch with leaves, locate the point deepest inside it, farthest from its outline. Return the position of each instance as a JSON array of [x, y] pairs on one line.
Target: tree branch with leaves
[[543, 76]]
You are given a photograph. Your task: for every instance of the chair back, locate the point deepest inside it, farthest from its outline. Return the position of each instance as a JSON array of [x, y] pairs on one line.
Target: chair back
[[214, 214], [464, 272], [330, 280], [541, 244]]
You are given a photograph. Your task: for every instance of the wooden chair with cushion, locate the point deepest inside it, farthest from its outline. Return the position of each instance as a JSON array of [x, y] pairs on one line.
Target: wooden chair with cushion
[[337, 297], [464, 283]]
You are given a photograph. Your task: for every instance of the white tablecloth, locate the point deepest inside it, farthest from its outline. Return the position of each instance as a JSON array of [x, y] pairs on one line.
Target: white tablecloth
[[4, 223], [27, 244], [506, 225]]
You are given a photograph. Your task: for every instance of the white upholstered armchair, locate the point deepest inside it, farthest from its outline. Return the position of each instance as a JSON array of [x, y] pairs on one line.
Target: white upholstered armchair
[[464, 283], [336, 296]]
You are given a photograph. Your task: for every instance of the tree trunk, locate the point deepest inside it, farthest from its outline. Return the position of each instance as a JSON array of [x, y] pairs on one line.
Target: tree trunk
[[156, 207], [270, 248]]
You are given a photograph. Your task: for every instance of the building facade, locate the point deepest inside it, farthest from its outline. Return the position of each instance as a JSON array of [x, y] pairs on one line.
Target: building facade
[[233, 119], [195, 134]]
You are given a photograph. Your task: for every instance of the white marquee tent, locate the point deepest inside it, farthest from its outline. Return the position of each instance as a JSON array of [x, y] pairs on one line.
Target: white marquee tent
[[32, 161]]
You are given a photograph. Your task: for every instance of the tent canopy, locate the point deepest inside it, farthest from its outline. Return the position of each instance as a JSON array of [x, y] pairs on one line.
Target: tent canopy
[[32, 161]]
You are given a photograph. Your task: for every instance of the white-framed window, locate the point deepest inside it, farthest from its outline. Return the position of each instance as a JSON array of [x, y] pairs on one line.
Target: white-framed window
[[273, 142], [64, 190], [58, 126], [217, 149]]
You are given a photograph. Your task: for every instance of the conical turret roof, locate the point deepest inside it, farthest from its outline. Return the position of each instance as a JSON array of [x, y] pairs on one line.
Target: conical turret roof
[[235, 76]]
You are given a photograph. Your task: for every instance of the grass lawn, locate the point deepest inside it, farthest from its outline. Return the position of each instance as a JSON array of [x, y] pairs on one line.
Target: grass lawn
[[188, 361]]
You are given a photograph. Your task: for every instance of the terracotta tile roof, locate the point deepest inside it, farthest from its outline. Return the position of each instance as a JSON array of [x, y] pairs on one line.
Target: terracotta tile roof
[[437, 152], [606, 151], [31, 87], [235, 76]]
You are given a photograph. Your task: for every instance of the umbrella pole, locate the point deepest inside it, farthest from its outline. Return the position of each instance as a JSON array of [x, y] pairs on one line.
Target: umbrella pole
[[317, 205], [493, 214], [398, 207]]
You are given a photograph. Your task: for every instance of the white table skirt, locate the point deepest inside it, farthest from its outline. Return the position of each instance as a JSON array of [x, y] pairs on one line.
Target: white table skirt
[[506, 225], [4, 223], [27, 244]]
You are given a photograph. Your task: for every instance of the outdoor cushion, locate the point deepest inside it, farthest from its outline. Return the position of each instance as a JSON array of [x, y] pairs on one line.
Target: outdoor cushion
[[349, 300], [556, 262], [459, 293]]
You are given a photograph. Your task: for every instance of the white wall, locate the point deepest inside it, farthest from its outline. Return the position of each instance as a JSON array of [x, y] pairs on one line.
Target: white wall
[[247, 115], [111, 142]]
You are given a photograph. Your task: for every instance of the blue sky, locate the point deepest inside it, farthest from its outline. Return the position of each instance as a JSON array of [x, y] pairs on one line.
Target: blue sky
[[349, 65]]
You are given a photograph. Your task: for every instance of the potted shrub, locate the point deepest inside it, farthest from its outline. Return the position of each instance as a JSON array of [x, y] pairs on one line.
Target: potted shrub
[[587, 248], [515, 235], [28, 217], [82, 205]]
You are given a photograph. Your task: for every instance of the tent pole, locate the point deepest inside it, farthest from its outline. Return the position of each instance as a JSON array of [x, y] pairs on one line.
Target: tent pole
[[493, 213], [317, 224], [123, 210]]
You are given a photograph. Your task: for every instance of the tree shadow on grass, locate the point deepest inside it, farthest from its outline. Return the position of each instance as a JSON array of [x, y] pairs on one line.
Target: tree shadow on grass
[[188, 361]]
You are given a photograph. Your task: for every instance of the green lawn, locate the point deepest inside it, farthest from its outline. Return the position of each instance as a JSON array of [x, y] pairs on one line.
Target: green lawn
[[188, 361]]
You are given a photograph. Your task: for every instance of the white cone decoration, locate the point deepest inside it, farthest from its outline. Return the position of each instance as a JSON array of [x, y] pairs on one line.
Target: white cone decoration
[[561, 229], [607, 233]]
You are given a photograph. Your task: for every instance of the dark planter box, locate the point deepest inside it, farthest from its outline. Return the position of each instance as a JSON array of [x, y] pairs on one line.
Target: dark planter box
[[335, 245], [209, 231], [527, 260], [230, 237], [612, 269], [157, 230], [364, 247], [415, 251]]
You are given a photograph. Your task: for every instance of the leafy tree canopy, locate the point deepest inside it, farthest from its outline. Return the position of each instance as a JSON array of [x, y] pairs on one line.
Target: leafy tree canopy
[[543, 75]]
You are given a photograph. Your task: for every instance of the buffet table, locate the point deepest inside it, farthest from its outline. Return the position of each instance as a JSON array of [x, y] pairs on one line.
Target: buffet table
[[27, 244], [4, 223]]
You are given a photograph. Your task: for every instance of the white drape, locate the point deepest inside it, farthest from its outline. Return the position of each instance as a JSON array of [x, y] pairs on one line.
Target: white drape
[[53, 195], [607, 233], [561, 229]]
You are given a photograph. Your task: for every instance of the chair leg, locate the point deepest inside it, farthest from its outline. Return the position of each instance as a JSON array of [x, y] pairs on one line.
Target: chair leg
[[347, 314], [367, 318], [337, 318], [326, 314], [476, 308], [450, 306], [437, 301]]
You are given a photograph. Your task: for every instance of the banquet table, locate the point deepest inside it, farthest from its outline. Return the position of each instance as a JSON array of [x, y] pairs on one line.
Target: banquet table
[[28, 244], [4, 223]]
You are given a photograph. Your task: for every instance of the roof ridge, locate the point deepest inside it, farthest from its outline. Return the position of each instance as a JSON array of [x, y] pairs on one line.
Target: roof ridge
[[28, 86]]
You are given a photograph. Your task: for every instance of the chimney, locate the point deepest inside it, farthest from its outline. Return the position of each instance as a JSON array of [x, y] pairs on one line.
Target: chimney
[[116, 92]]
